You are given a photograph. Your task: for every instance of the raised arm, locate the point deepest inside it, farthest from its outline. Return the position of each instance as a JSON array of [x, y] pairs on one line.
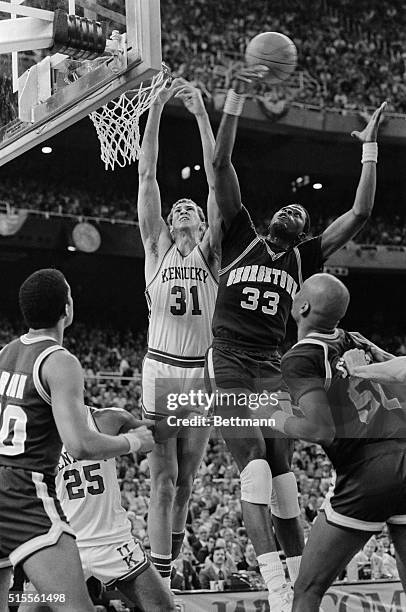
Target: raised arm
[[226, 181], [63, 375], [193, 101], [149, 197], [349, 224]]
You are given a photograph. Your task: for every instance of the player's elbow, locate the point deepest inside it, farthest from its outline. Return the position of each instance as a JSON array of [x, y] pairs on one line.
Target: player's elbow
[[76, 449], [221, 160], [146, 172]]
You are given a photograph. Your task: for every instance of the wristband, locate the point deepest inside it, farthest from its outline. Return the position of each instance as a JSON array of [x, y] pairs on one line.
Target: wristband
[[369, 152], [280, 417], [234, 103], [135, 443]]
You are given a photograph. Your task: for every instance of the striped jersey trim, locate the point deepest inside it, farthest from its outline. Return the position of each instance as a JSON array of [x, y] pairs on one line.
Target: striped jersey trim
[[340, 520], [131, 574], [36, 339], [243, 254], [175, 360], [36, 378], [58, 526], [154, 416], [327, 367], [299, 265], [5, 563]]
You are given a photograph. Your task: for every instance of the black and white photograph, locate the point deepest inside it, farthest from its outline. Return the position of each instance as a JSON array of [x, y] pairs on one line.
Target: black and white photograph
[[202, 306]]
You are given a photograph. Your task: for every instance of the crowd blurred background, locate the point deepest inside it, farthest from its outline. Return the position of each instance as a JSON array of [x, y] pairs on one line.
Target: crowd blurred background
[[384, 228], [111, 361], [351, 57]]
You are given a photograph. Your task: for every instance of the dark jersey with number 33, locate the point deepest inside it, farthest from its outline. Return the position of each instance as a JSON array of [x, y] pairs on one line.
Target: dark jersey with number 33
[[257, 285], [364, 412], [29, 438]]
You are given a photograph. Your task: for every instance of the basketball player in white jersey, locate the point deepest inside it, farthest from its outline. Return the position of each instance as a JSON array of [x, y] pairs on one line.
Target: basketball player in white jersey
[[181, 266], [90, 497], [89, 494]]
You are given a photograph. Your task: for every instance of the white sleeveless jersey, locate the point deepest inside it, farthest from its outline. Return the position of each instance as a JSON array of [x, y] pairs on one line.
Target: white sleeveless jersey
[[181, 299], [90, 497]]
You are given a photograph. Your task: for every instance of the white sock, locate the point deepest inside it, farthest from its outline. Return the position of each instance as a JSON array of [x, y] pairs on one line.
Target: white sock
[[293, 564], [272, 570]]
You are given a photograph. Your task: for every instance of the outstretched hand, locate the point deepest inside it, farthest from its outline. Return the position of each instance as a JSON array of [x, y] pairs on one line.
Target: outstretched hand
[[246, 77], [370, 132], [172, 87], [192, 98]]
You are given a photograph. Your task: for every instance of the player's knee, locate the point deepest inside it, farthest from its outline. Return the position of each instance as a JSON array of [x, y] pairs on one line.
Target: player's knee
[[184, 490], [245, 453], [284, 498], [308, 585], [163, 490], [256, 482]]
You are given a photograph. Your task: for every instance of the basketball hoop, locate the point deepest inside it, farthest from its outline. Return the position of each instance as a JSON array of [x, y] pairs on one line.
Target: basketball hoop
[[117, 122]]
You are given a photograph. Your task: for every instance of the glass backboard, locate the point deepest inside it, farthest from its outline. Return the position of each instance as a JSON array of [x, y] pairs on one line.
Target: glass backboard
[[62, 59]]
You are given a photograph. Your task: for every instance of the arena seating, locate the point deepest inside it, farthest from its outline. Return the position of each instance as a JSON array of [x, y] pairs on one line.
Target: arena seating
[[111, 360], [38, 196]]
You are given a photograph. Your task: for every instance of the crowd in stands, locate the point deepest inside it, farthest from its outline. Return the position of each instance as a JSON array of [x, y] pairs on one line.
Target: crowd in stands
[[352, 55], [73, 200], [215, 532]]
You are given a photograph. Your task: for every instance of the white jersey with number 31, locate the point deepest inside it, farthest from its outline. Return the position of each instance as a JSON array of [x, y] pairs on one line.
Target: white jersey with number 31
[[89, 494], [181, 299]]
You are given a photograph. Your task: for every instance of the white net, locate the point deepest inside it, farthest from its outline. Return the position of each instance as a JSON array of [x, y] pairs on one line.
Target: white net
[[117, 122]]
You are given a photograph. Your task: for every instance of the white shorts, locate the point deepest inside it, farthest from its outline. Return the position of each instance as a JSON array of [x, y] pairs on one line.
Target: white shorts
[[162, 383], [112, 563]]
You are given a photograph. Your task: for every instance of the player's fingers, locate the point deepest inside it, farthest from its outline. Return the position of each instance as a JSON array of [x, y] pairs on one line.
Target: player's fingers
[[381, 110], [177, 82], [355, 134]]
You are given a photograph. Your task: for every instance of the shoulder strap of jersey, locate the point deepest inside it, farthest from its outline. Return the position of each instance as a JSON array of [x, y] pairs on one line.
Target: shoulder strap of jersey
[[327, 366], [299, 266], [243, 254], [37, 365], [159, 267]]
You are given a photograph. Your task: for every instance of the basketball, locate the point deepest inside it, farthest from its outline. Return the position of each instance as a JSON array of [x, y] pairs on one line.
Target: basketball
[[274, 50]]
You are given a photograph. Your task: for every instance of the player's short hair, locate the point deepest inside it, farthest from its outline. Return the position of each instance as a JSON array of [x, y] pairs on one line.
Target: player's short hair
[[43, 297], [188, 200]]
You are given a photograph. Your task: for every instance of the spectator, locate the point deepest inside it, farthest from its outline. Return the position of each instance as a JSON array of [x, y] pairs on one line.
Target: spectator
[[184, 576], [216, 569], [249, 563]]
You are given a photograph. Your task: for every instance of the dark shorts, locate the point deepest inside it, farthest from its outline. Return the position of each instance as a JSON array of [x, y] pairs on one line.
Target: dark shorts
[[31, 517], [372, 491], [233, 368]]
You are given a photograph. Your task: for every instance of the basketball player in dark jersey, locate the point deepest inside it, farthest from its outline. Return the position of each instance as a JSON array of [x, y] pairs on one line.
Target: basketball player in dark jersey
[[258, 280], [361, 427], [42, 404]]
